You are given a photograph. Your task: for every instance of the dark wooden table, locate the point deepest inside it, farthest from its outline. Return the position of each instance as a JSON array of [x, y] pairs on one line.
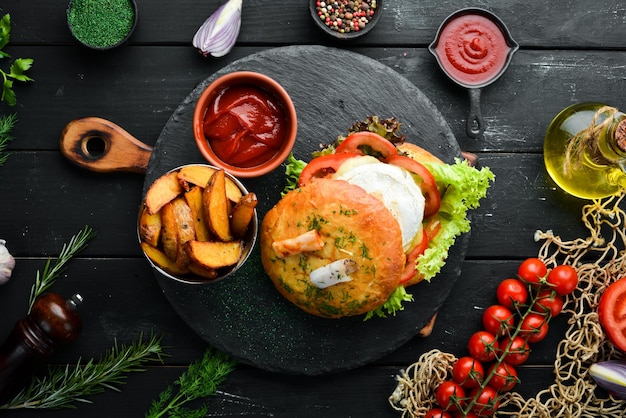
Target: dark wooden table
[[569, 52]]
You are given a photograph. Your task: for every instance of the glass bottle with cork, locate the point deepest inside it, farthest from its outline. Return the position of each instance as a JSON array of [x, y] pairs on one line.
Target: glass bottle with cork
[[585, 150]]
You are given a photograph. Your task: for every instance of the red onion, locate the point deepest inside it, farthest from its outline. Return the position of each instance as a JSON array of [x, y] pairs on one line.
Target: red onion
[[611, 376], [219, 32], [7, 263]]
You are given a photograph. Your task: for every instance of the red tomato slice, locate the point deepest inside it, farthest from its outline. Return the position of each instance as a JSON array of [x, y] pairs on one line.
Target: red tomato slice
[[367, 143], [432, 225], [428, 184], [612, 313], [324, 166], [410, 270]]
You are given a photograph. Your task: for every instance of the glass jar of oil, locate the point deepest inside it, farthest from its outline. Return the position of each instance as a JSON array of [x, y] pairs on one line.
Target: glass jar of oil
[[584, 150]]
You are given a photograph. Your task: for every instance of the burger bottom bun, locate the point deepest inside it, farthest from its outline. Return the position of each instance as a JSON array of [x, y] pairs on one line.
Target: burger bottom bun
[[353, 224], [418, 153]]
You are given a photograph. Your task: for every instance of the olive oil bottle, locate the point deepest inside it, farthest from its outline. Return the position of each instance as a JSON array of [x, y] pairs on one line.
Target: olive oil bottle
[[585, 150]]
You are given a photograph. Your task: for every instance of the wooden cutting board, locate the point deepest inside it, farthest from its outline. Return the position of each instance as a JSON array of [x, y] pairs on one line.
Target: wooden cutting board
[[244, 315]]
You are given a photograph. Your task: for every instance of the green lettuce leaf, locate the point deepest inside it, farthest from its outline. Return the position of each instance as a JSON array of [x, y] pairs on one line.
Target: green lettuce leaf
[[465, 186]]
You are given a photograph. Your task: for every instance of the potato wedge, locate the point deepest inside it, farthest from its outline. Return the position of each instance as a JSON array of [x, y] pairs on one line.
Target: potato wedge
[[178, 228], [163, 191], [242, 215], [200, 175], [214, 254], [216, 206], [150, 226], [194, 200], [159, 258], [204, 272]]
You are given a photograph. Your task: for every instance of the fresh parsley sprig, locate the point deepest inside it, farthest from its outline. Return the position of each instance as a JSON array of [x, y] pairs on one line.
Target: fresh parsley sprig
[[200, 380], [64, 386], [18, 67], [50, 272]]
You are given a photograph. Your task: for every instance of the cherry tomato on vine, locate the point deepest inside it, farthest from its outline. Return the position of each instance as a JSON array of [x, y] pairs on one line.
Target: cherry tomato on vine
[[468, 372], [450, 395], [534, 327], [532, 270], [498, 320], [504, 378], [519, 350], [564, 279], [483, 345], [468, 415], [437, 413], [511, 292], [487, 401], [611, 313], [548, 301]]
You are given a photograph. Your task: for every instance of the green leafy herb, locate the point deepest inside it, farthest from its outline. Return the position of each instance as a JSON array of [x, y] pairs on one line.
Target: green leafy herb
[[64, 385], [7, 123], [17, 68], [293, 168], [46, 279], [201, 380]]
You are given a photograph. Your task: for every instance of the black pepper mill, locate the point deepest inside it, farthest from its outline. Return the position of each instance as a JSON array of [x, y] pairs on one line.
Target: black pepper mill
[[53, 321]]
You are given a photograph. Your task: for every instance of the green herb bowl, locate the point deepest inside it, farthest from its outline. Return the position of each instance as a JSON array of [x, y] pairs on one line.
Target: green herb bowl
[[107, 26]]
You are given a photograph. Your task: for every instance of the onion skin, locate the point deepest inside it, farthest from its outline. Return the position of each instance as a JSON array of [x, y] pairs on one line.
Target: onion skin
[[218, 34], [611, 376], [7, 263]]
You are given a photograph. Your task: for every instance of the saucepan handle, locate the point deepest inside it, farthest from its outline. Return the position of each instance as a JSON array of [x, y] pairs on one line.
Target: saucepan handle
[[475, 125], [100, 145]]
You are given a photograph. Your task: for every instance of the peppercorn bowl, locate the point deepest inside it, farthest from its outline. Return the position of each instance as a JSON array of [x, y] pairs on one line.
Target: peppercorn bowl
[[197, 224], [102, 25], [246, 123], [345, 19]]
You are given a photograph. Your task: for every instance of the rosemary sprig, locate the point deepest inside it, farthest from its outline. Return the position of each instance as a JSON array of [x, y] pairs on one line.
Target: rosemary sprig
[[200, 380], [46, 279], [64, 386], [7, 123]]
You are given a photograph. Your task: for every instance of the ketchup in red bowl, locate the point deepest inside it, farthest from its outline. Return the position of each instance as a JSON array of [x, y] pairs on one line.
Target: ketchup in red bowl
[[244, 125]]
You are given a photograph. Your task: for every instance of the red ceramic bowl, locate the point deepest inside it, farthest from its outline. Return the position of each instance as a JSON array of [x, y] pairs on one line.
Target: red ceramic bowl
[[237, 81]]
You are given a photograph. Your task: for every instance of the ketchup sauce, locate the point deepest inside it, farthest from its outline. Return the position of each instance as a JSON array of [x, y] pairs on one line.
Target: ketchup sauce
[[472, 49], [244, 125]]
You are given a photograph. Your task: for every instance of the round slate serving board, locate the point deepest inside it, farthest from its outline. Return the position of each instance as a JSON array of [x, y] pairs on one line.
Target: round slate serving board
[[244, 315]]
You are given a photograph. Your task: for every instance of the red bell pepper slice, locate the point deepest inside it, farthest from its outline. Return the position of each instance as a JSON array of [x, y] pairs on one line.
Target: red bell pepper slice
[[323, 166], [428, 184], [367, 143]]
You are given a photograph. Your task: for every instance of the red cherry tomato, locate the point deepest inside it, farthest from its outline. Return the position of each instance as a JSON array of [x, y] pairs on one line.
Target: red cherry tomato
[[450, 395], [532, 270], [548, 301], [518, 352], [504, 377], [564, 279], [534, 327], [470, 414], [487, 401], [483, 346], [437, 413], [511, 293], [323, 166], [468, 372], [367, 143], [426, 182], [498, 320], [612, 313]]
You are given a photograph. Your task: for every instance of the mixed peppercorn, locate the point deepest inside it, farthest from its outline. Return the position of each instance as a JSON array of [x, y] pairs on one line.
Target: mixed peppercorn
[[346, 16]]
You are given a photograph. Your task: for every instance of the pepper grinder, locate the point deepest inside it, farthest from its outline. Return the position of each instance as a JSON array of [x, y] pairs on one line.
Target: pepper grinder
[[53, 321]]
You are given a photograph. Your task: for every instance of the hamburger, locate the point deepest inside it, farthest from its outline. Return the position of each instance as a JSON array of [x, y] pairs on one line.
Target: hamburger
[[367, 218]]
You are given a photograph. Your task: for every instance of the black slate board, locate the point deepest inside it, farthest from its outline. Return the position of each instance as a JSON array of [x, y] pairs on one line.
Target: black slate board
[[244, 315]]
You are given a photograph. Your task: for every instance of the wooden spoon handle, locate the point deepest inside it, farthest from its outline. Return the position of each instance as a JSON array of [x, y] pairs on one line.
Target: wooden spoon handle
[[99, 145]]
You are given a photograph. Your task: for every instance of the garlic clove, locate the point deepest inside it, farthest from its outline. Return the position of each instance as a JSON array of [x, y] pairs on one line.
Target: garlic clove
[[7, 263]]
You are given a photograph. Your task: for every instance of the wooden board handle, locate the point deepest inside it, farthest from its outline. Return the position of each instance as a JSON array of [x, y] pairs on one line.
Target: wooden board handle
[[100, 145]]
